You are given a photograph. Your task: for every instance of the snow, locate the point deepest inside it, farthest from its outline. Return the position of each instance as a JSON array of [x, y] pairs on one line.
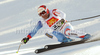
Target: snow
[[18, 17]]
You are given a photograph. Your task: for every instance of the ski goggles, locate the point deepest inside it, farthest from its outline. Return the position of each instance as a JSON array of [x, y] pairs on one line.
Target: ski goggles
[[42, 13]]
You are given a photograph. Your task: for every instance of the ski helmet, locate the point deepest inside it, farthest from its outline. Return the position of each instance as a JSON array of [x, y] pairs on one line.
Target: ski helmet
[[43, 8]]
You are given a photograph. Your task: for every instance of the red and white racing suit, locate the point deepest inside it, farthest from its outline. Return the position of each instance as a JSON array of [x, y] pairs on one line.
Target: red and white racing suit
[[59, 25]]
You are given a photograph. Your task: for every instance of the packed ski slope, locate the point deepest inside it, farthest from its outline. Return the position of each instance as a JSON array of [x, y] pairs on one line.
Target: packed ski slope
[[18, 17]]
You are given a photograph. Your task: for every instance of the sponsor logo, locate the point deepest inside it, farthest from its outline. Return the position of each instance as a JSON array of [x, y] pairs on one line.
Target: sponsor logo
[[51, 21]]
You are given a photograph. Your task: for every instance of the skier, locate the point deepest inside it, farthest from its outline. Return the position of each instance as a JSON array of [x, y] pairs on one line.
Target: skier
[[55, 19]]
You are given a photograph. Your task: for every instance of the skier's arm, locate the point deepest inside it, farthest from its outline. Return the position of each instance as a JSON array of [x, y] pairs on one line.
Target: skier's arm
[[59, 13], [33, 32]]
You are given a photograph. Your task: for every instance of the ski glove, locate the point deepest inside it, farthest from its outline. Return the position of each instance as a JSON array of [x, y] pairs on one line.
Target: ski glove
[[25, 40]]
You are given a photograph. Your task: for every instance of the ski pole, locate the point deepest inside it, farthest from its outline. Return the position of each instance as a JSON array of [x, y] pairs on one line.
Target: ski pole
[[84, 18], [19, 47]]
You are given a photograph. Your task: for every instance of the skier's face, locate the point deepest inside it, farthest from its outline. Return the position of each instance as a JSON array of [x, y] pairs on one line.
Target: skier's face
[[43, 14]]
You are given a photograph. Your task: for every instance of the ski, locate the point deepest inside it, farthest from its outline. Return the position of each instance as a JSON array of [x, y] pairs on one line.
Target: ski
[[54, 46]]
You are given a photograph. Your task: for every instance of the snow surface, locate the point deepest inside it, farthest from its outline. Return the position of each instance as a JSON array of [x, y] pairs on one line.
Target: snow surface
[[18, 17]]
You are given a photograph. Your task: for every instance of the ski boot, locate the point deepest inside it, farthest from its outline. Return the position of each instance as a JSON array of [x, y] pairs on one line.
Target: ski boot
[[66, 40], [87, 36]]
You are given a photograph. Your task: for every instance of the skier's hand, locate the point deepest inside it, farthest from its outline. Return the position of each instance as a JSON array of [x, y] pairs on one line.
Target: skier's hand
[[25, 40]]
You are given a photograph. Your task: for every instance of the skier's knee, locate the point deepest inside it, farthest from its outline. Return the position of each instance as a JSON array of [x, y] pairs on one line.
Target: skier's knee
[[60, 40], [59, 36]]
